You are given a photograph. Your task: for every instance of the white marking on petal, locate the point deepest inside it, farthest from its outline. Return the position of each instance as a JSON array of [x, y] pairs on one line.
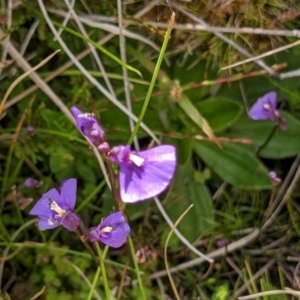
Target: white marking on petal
[[51, 222], [137, 160], [107, 229], [267, 106], [56, 208], [85, 115]]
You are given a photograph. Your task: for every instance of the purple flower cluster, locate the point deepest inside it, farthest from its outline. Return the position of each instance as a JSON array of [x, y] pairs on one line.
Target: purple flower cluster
[[142, 175], [155, 166], [265, 108]]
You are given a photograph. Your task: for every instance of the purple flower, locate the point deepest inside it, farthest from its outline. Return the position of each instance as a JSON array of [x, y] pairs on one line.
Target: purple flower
[[265, 108], [30, 129], [143, 174], [55, 208], [112, 231], [222, 242], [273, 176], [89, 127], [32, 183]]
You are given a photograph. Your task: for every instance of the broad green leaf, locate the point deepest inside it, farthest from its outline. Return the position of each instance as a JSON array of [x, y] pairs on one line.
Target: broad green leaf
[[234, 165], [220, 113], [284, 143]]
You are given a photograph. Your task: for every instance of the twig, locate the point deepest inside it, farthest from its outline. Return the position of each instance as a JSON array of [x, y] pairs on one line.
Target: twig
[[268, 53], [37, 295], [198, 27], [28, 36], [267, 293], [216, 253]]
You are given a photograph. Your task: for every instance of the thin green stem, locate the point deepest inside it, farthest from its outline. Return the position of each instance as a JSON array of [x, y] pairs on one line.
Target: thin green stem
[[103, 272], [96, 278], [136, 266], [91, 196], [153, 80]]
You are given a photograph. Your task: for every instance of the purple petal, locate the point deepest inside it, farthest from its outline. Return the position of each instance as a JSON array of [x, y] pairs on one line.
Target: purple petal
[[32, 183], [88, 125], [71, 222], [112, 231], [46, 223], [150, 179], [119, 154], [42, 207], [113, 219], [117, 237], [68, 192], [30, 129], [259, 109], [93, 234]]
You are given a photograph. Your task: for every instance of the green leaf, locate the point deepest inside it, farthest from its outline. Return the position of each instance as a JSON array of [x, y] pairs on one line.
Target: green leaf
[[117, 125], [184, 150], [283, 144], [234, 165], [60, 158], [57, 120], [189, 108], [201, 217], [221, 292], [220, 113]]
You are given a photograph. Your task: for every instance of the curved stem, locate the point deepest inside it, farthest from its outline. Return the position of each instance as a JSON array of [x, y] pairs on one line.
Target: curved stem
[[267, 140]]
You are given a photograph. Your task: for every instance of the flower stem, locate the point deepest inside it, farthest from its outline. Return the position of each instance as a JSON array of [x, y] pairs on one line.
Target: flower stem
[[267, 140], [87, 246], [94, 283], [153, 80], [103, 271], [136, 266], [118, 204]]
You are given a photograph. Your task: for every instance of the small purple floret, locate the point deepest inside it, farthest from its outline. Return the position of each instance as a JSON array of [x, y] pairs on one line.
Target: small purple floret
[[143, 174], [265, 108], [55, 209], [32, 183], [30, 129], [273, 176], [89, 127], [112, 231]]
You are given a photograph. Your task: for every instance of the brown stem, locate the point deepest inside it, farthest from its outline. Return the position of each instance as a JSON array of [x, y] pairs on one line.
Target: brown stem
[[87, 246]]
